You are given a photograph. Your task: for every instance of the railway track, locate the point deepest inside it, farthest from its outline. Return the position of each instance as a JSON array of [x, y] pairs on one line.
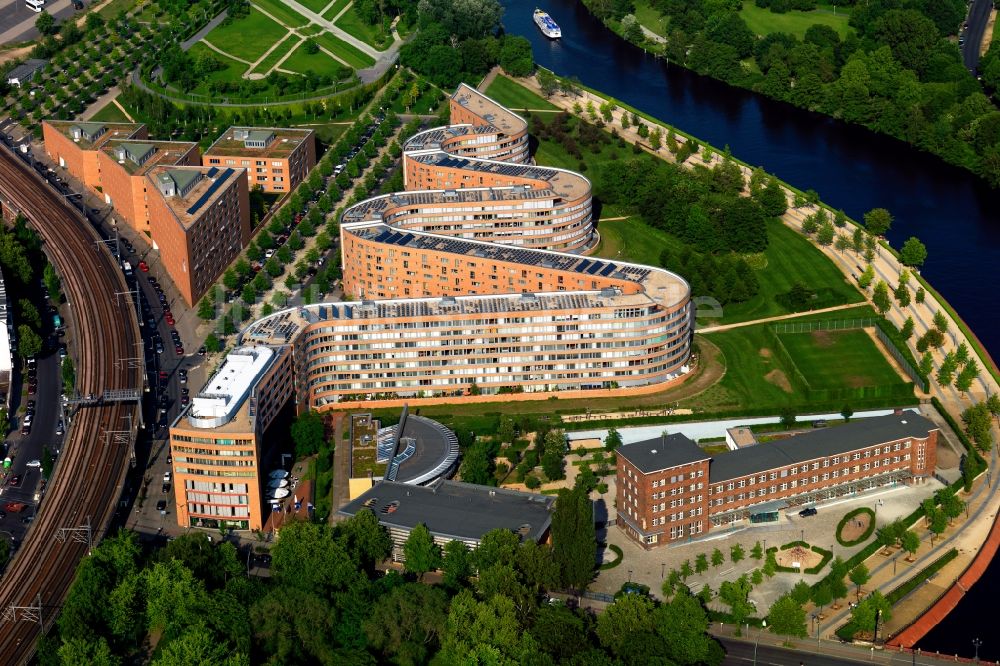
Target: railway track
[[91, 471]]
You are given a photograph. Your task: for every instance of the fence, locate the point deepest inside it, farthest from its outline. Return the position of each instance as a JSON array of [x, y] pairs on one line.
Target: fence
[[846, 393]]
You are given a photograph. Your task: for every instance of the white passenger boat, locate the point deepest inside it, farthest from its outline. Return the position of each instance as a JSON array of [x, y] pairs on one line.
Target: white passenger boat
[[545, 23]]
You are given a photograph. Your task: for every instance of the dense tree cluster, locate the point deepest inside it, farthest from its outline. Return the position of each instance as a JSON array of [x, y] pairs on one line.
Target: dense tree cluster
[[703, 207], [325, 603], [727, 278], [462, 40], [897, 73]]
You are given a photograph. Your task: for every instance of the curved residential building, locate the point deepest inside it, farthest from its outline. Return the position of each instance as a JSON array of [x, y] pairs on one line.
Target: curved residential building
[[473, 283]]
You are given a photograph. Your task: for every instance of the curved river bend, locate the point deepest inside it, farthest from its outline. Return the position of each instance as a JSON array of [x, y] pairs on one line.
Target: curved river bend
[[953, 212]]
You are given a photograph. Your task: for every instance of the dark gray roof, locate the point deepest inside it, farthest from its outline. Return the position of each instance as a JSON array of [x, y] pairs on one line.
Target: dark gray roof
[[26, 69], [457, 510], [666, 451], [435, 451], [818, 443]]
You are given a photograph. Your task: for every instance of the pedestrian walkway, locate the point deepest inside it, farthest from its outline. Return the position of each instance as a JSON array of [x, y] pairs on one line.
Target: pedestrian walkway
[[765, 320]]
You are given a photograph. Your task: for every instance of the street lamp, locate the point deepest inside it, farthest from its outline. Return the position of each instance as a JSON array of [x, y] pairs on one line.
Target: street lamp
[[976, 642], [763, 627], [663, 570], [630, 575]]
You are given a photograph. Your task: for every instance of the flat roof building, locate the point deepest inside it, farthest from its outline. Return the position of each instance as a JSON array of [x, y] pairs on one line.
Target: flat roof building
[[216, 441], [454, 511], [75, 145], [669, 489], [6, 345], [25, 72], [277, 159], [418, 450], [481, 290], [124, 165], [199, 219]]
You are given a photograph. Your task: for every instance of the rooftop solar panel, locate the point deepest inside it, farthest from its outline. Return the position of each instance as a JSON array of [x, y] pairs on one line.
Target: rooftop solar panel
[[212, 172], [209, 192], [608, 270]]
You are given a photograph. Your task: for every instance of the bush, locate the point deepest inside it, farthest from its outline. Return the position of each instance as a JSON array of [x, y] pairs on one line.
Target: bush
[[618, 557], [847, 518]]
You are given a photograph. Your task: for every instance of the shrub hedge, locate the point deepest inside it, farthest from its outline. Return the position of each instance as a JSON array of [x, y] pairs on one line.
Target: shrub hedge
[[847, 518], [823, 552]]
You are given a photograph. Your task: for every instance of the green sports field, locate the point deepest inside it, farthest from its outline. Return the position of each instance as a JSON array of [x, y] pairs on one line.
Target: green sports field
[[764, 21], [835, 359]]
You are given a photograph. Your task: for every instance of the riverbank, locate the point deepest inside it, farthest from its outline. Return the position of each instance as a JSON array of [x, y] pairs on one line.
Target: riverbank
[[971, 533]]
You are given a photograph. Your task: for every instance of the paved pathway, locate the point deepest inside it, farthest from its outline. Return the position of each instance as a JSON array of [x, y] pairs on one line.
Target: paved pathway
[[200, 35], [231, 56], [793, 315], [100, 103], [339, 33]]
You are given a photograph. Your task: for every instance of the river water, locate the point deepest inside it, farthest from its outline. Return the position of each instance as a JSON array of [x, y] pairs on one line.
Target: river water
[[956, 214]]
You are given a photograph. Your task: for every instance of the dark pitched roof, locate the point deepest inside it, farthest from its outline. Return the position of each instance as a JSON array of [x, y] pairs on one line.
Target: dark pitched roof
[[457, 510], [818, 443], [666, 451]]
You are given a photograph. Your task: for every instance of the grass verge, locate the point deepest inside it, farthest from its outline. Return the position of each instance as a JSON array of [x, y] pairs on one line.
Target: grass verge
[[764, 22], [615, 562], [110, 113], [355, 26], [272, 59], [515, 96], [283, 13]]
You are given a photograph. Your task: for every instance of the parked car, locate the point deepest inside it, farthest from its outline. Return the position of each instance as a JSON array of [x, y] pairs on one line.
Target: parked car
[[805, 513], [166, 487], [33, 464], [143, 266], [60, 428], [161, 505], [15, 507], [166, 477], [15, 480]]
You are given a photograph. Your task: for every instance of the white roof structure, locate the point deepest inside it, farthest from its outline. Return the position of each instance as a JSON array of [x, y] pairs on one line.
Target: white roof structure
[[6, 328], [226, 391]]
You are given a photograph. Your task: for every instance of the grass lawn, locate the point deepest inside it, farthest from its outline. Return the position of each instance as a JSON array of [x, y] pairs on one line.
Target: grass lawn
[[344, 51], [792, 258], [113, 8], [328, 133], [265, 65], [764, 21], [247, 38], [283, 13], [650, 18], [302, 62], [315, 5], [233, 70], [515, 96], [110, 113], [372, 35], [758, 378], [311, 30], [858, 361], [335, 9], [633, 240]]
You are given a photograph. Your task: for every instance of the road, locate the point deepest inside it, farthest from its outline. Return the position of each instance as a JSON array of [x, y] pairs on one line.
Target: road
[[979, 16], [741, 652], [88, 481], [17, 21]]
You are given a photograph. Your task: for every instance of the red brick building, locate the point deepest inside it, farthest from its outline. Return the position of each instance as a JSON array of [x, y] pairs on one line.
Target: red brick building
[[670, 489]]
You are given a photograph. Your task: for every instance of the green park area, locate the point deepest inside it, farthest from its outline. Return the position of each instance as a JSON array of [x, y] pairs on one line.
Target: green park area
[[302, 61], [274, 57], [344, 51], [109, 113], [247, 38], [515, 96], [832, 359], [764, 22], [283, 13], [335, 9], [372, 35]]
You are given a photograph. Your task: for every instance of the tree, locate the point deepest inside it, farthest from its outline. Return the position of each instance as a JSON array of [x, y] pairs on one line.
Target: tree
[[686, 571], [967, 376], [734, 594], [406, 621], [736, 554], [825, 234], [788, 417], [701, 563], [822, 596], [926, 364], [801, 592], [613, 439], [913, 253], [865, 612], [45, 23], [910, 542], [878, 221], [29, 344], [773, 200], [838, 589], [52, 282], [993, 404], [206, 309], [212, 343], [907, 330], [308, 433], [574, 538], [559, 632], [880, 298], [456, 564], [902, 295], [866, 277], [486, 629], [951, 505], [840, 219], [847, 412], [421, 553], [629, 615], [920, 295], [978, 425], [757, 552], [717, 557], [940, 322], [787, 617], [859, 576]]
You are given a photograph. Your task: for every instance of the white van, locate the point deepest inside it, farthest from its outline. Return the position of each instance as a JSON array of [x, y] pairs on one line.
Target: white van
[[127, 268], [35, 5]]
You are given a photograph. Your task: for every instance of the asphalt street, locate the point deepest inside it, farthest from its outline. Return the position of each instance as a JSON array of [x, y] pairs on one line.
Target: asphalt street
[[979, 15], [17, 20]]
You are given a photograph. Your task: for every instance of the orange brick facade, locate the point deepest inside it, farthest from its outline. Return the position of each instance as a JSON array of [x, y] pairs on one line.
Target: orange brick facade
[[82, 161], [660, 506]]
